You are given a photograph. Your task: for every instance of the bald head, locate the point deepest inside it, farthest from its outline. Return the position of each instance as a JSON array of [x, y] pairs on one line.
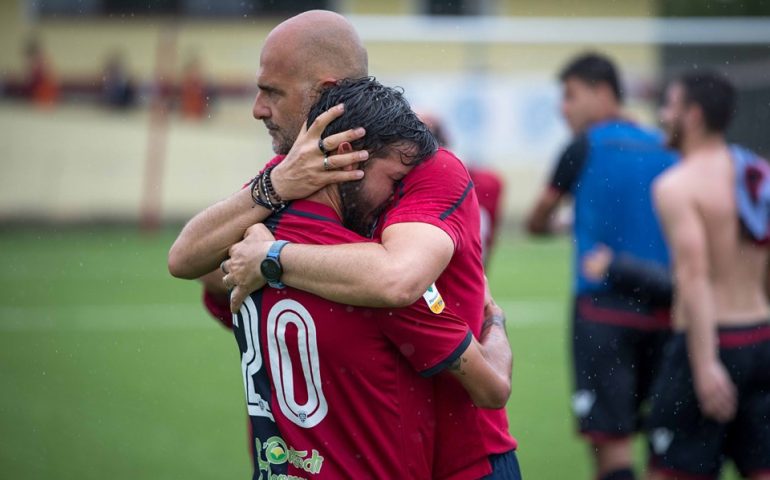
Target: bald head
[[319, 45]]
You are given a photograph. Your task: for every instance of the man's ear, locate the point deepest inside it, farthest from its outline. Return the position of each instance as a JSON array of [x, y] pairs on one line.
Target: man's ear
[[345, 147], [693, 115], [328, 82]]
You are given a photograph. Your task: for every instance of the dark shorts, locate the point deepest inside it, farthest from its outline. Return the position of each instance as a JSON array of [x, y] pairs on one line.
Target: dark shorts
[[682, 441], [505, 466], [616, 352]]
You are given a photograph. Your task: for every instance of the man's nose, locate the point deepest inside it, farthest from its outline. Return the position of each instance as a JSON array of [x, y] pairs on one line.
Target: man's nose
[[260, 110]]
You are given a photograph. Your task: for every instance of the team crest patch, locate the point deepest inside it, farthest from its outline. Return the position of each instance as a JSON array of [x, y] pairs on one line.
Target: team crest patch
[[433, 299]]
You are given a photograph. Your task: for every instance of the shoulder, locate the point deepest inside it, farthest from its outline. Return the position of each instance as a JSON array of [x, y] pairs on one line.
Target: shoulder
[[673, 187], [442, 174], [441, 163], [579, 143]]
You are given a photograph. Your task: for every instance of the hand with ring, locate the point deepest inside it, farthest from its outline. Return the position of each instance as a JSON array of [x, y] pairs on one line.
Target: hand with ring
[[244, 274], [314, 162]]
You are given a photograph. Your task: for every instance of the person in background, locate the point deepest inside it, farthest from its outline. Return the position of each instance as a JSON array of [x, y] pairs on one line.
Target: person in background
[[608, 170], [489, 186]]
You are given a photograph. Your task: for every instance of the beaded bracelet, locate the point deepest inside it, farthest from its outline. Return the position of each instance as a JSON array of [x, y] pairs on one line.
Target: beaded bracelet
[[269, 184]]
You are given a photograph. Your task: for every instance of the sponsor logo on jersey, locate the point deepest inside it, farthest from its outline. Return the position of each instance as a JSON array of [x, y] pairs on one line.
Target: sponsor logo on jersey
[[275, 452], [433, 299], [661, 439], [583, 402]]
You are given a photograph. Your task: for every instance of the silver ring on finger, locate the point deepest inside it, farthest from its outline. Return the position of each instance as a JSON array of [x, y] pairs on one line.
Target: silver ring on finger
[[327, 165], [222, 267]]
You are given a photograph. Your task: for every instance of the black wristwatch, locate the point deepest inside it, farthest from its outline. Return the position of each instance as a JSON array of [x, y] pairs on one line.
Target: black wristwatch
[[271, 266]]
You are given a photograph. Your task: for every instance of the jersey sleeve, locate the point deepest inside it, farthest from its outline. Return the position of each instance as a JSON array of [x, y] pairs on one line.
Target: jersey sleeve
[[429, 341], [431, 193], [570, 165]]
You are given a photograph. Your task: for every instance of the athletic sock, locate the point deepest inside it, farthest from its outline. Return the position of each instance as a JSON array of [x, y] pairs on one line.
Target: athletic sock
[[622, 474]]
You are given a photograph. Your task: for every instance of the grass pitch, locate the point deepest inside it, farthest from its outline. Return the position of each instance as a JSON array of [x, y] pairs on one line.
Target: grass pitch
[[110, 368]]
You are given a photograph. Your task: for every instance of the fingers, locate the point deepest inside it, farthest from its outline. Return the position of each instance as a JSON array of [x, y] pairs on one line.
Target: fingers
[[721, 407], [324, 119], [237, 297], [720, 402], [331, 142], [346, 159], [339, 176], [228, 281]]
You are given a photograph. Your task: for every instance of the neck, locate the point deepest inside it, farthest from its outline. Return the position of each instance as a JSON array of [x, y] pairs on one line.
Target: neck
[[609, 112], [699, 141], [329, 196]]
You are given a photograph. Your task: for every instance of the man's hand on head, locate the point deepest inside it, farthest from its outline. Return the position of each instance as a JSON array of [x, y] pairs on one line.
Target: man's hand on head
[[243, 273], [304, 170]]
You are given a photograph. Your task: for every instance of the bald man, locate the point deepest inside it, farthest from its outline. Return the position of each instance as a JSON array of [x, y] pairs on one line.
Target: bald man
[[299, 58], [433, 227]]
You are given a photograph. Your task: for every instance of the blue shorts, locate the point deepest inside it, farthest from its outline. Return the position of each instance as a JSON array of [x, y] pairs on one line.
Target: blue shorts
[[505, 466]]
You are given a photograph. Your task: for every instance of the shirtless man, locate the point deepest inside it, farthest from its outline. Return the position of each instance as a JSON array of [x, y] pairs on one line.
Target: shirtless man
[[712, 397]]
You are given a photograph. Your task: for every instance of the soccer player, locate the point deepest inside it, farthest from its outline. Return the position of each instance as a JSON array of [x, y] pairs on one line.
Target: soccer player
[[608, 169], [430, 228], [487, 183], [333, 391], [712, 397]]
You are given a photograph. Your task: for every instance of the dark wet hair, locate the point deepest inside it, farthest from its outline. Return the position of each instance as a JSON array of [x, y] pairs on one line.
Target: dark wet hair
[[593, 68], [383, 112], [714, 94]]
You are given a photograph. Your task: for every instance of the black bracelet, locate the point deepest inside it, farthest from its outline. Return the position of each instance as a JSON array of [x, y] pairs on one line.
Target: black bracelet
[[265, 193], [269, 184], [256, 192]]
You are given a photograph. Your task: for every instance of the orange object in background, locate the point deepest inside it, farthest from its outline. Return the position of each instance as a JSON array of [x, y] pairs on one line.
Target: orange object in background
[[193, 91], [41, 86]]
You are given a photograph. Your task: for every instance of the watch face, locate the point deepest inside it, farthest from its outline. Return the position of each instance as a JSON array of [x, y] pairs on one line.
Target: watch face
[[270, 269]]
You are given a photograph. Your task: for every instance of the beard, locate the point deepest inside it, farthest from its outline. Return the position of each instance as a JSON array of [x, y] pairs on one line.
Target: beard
[[283, 138], [359, 213], [285, 135]]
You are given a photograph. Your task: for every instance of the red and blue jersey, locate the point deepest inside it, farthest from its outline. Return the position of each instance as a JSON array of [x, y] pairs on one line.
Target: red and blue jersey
[[336, 391]]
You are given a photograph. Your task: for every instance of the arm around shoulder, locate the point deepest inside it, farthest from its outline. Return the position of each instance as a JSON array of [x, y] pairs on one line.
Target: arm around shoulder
[[395, 273]]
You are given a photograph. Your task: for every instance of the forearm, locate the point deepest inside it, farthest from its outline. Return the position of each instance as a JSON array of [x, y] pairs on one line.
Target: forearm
[[487, 381], [497, 351], [204, 241], [638, 278], [541, 218], [363, 274], [698, 308]]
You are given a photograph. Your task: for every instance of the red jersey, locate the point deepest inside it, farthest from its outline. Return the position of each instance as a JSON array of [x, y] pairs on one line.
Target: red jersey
[[440, 192], [333, 391], [489, 191]]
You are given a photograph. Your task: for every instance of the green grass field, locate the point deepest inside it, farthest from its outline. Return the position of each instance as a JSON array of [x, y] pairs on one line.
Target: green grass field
[[110, 368]]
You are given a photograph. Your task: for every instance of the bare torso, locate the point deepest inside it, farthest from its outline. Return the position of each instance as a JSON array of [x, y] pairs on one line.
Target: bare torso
[[737, 267]]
